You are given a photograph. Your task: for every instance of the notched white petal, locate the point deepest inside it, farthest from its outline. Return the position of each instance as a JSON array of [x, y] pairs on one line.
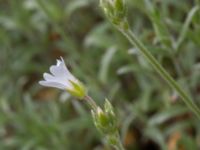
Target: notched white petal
[[60, 77], [61, 70], [52, 84], [58, 62], [57, 70], [48, 76], [62, 60]]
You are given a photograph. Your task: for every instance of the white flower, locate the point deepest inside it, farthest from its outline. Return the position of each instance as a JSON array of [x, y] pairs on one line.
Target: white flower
[[61, 78]]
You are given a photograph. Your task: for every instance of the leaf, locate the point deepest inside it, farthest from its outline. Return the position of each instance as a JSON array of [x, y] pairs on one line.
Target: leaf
[[105, 64], [164, 115], [185, 27]]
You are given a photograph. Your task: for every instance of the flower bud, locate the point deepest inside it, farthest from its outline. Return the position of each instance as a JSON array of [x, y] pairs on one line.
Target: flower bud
[[115, 10], [105, 120]]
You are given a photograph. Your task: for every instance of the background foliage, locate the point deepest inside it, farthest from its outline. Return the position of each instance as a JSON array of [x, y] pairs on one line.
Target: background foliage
[[33, 33]]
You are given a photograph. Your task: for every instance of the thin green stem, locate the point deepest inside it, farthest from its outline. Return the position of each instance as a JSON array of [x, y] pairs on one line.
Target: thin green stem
[[119, 145], [115, 136], [91, 102], [114, 140], [164, 74]]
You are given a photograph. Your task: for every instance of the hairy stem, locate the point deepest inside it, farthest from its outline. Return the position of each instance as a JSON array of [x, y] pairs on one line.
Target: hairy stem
[[119, 145], [164, 74], [91, 102], [114, 138]]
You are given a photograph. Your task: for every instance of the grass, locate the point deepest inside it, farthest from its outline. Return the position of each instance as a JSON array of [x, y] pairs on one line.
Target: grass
[[151, 115]]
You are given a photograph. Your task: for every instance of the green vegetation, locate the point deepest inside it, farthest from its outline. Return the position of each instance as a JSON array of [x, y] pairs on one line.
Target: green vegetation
[[151, 115]]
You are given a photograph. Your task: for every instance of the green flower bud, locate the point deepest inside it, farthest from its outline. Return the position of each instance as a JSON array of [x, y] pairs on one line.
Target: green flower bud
[[115, 10], [105, 120]]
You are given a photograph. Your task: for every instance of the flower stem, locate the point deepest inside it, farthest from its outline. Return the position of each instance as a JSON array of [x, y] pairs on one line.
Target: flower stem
[[112, 138], [91, 102], [119, 145], [115, 141], [164, 74]]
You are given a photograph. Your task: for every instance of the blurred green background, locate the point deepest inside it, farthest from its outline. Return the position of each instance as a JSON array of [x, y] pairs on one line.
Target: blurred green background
[[34, 33]]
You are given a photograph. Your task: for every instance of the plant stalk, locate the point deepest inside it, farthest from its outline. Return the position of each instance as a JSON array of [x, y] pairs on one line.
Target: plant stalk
[[91, 102], [164, 74], [117, 144]]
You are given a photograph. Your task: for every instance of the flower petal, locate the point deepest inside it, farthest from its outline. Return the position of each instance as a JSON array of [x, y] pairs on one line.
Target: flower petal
[[70, 76], [52, 84], [58, 62], [56, 70], [60, 76], [48, 77], [60, 70]]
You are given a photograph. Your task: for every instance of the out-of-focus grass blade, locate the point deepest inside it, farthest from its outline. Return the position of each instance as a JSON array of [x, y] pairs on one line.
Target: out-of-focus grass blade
[[156, 135], [188, 142], [99, 37], [51, 9], [163, 116], [185, 28], [74, 5], [160, 28], [105, 63], [180, 126]]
